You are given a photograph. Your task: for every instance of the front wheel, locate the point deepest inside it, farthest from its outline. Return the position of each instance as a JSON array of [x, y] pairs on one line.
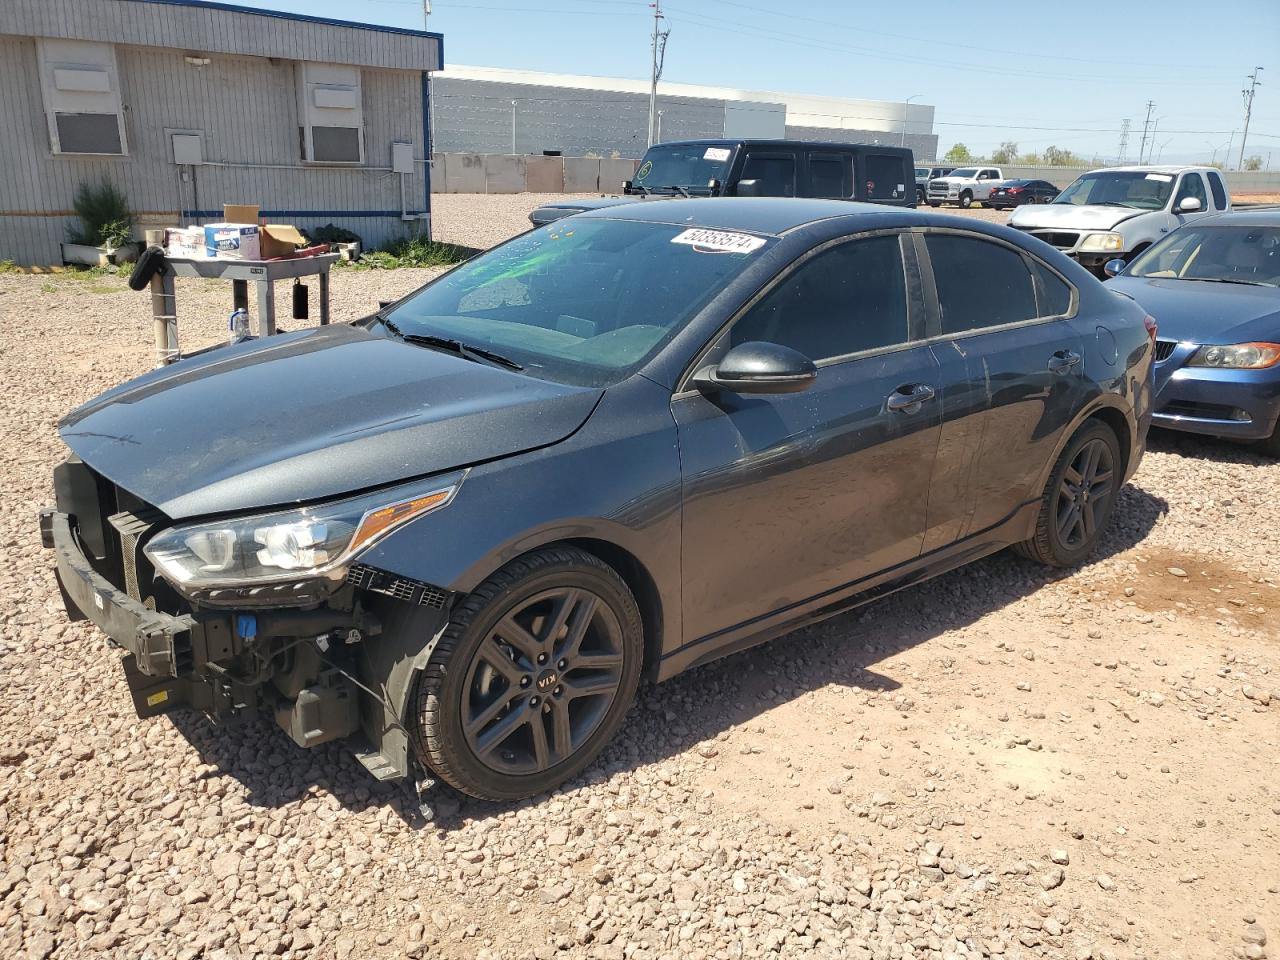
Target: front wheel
[[1271, 445], [1078, 500], [966, 200], [935, 203], [532, 677]]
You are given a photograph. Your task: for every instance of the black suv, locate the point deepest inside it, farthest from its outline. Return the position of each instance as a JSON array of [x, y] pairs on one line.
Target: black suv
[[458, 533], [760, 168]]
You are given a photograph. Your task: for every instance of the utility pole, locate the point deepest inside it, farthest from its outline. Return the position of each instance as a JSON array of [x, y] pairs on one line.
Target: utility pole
[[1248, 110], [1124, 139], [659, 42], [1155, 125], [1142, 148]]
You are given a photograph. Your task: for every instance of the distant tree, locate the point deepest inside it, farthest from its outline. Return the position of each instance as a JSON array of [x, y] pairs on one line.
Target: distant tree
[[959, 154], [1029, 159], [1060, 157], [1253, 163], [1005, 153]]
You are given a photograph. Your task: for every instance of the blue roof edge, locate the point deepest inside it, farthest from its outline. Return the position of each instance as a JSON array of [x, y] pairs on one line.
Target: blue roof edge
[[304, 18]]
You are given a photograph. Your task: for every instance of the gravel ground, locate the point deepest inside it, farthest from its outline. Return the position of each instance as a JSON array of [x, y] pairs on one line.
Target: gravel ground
[[1002, 762]]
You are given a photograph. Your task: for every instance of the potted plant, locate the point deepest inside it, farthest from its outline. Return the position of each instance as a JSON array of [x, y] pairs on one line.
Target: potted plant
[[104, 234]]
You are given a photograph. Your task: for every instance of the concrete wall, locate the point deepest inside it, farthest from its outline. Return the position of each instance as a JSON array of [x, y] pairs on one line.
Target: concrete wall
[[245, 107], [503, 173]]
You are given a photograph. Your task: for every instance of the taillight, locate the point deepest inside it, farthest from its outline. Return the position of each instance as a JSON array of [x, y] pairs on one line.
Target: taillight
[[1015, 189], [1150, 323]]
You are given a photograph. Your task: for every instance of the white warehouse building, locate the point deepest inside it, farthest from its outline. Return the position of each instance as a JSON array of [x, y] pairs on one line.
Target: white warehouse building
[[493, 110]]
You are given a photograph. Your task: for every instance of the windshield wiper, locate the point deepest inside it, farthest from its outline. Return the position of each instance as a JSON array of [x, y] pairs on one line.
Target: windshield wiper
[[467, 352], [1245, 283], [644, 191], [683, 192]]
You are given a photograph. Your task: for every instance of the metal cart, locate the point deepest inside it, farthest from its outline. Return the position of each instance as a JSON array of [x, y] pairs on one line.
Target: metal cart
[[265, 273]]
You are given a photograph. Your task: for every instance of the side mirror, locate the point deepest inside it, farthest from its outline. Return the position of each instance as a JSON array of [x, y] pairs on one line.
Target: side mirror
[[748, 188], [757, 367], [1113, 267], [626, 186], [1189, 205], [714, 186]]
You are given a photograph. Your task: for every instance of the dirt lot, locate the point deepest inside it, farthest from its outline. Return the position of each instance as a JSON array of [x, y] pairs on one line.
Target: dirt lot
[[1002, 762]]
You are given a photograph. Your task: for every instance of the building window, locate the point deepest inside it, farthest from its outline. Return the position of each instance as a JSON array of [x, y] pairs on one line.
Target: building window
[[80, 85], [331, 113]]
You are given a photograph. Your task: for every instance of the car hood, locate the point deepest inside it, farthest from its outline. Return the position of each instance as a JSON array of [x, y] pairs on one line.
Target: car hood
[[1070, 216], [1197, 312], [567, 208], [311, 415]]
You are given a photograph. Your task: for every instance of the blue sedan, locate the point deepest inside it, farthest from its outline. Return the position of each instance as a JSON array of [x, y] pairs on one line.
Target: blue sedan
[[1213, 288]]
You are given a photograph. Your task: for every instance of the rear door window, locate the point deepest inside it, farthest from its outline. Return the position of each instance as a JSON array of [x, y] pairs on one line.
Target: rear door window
[[829, 175], [774, 172], [884, 176], [1219, 191], [980, 283]]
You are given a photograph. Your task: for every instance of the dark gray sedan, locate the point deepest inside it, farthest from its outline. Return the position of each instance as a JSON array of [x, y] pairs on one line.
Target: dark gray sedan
[[458, 533], [1213, 287]]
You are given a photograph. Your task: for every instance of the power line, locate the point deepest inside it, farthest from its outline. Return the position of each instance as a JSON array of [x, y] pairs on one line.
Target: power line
[[1146, 124], [1248, 111]]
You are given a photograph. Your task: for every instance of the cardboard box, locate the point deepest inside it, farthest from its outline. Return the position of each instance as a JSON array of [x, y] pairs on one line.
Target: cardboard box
[[240, 213], [237, 241], [279, 240]]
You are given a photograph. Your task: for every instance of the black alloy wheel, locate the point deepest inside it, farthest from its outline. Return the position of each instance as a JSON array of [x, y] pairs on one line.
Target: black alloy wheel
[[532, 677], [1078, 499], [542, 681], [1082, 497]]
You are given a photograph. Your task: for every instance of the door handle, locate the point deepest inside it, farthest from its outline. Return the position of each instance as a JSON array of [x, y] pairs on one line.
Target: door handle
[[909, 397], [1063, 360]]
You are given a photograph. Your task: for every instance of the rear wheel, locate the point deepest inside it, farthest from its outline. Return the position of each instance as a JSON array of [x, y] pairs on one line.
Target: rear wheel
[[532, 677], [1078, 500]]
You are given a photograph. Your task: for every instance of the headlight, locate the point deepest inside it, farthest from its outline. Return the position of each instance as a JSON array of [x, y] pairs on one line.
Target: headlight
[[1237, 356], [1103, 241], [292, 545]]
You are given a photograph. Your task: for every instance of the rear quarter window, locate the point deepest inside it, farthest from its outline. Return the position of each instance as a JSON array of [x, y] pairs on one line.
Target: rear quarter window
[[885, 177]]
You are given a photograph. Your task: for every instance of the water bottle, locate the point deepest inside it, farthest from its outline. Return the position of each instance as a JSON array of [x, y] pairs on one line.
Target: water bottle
[[239, 325]]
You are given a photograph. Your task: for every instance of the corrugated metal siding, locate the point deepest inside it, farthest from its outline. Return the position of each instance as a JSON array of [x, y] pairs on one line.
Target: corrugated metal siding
[[247, 110], [200, 29]]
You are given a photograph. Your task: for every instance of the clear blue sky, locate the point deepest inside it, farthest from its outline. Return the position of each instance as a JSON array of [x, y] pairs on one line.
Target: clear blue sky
[[1033, 72]]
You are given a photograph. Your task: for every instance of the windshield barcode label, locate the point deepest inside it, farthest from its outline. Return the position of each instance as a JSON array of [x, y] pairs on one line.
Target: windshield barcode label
[[720, 241]]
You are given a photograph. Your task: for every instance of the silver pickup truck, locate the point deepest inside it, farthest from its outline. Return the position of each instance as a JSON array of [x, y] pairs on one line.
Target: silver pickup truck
[[1118, 212], [965, 186]]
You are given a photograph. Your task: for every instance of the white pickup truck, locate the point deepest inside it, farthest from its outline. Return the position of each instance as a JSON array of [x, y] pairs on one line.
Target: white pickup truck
[[1118, 212], [964, 186]]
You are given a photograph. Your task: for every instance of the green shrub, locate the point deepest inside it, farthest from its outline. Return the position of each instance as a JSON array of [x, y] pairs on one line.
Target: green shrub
[[105, 217], [331, 233], [415, 252], [8, 266]]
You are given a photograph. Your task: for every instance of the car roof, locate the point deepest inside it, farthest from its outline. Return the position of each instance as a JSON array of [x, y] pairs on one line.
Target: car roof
[[1268, 216], [781, 143], [775, 216], [1150, 168]]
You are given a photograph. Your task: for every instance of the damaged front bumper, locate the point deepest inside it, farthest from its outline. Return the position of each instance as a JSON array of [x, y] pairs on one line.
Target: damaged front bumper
[[312, 669]]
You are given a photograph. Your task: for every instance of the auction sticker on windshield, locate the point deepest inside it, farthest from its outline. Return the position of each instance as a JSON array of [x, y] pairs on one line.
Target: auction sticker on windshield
[[720, 154], [719, 241], [1162, 177]]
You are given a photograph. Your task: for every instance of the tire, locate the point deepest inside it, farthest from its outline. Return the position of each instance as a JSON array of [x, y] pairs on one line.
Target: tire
[[919, 196], [935, 203], [1063, 538], [966, 200], [486, 666], [1271, 445]]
